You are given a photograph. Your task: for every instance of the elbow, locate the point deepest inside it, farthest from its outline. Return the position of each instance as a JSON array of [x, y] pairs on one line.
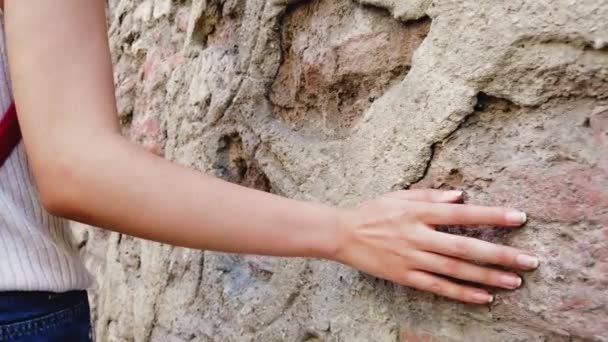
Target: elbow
[[67, 170], [56, 203], [58, 188], [64, 180]]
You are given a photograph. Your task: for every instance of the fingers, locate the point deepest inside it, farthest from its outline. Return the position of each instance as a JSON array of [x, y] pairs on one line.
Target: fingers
[[464, 214], [443, 287], [428, 195], [474, 249], [464, 270]]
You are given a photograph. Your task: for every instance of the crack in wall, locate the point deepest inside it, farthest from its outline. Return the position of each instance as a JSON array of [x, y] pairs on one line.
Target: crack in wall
[[482, 99]]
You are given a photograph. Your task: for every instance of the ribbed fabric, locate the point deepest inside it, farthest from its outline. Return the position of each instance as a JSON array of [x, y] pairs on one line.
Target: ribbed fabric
[[37, 252]]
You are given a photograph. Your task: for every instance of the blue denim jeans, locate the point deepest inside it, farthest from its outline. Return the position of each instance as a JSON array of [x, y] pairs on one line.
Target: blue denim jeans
[[44, 317]]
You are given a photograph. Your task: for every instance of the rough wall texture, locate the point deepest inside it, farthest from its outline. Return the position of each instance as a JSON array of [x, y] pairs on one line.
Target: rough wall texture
[[338, 101]]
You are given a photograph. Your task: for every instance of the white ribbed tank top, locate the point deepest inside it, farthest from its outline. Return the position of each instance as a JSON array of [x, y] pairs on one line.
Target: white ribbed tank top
[[37, 252]]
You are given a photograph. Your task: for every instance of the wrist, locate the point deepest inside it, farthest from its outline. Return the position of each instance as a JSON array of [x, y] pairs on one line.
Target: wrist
[[331, 240]]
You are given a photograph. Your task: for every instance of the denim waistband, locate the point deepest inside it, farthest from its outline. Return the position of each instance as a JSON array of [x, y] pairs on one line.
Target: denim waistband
[[16, 306]]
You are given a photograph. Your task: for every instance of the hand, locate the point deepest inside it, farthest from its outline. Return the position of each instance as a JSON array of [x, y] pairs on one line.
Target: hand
[[393, 237]]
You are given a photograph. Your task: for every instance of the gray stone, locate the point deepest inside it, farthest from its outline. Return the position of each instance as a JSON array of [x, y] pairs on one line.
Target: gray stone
[[339, 101]]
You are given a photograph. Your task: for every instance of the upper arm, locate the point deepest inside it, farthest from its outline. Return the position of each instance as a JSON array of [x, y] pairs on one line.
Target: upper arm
[[62, 78]]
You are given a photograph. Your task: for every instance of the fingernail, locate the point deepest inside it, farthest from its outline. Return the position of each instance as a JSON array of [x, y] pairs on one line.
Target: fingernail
[[453, 195], [516, 217], [482, 298], [527, 261], [511, 282]]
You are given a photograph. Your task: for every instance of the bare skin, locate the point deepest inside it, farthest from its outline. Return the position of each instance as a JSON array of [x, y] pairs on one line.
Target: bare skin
[[86, 171]]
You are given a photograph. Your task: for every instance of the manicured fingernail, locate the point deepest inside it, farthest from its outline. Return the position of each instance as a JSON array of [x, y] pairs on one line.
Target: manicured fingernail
[[510, 282], [482, 298], [453, 195], [527, 261], [516, 217]]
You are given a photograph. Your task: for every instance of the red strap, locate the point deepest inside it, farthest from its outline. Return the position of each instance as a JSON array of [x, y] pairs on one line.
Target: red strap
[[10, 134]]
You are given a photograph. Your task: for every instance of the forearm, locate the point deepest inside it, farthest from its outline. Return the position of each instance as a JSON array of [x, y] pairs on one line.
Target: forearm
[[118, 186]]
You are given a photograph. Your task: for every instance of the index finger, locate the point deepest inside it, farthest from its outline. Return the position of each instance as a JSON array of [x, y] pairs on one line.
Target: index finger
[[465, 214]]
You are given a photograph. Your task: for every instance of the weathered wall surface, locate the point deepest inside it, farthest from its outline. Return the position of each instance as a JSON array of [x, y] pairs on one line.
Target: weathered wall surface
[[338, 101]]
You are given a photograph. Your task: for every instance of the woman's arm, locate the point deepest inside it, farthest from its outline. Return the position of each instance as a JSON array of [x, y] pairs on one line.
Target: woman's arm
[[85, 170]]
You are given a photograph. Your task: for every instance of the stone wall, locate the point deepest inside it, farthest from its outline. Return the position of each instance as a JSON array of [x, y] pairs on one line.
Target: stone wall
[[339, 101]]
